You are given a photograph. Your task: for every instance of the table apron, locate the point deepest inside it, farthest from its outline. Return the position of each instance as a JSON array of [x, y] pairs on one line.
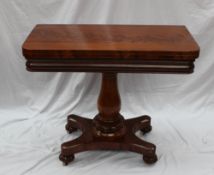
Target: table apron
[[123, 67]]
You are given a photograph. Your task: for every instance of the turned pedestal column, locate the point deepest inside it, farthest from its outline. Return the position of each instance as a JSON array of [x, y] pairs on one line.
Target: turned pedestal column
[[109, 123]]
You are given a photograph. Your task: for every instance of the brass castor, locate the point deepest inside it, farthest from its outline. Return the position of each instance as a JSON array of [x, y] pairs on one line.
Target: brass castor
[[66, 159]]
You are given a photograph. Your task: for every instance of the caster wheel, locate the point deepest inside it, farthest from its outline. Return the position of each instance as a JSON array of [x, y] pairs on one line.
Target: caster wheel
[[70, 129], [150, 159], [66, 159], [146, 129]]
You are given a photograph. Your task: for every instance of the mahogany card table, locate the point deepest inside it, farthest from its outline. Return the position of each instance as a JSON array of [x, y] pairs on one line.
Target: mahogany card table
[[110, 49]]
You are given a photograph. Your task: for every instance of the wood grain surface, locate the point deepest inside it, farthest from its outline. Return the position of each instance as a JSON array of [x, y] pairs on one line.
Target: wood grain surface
[[110, 41]]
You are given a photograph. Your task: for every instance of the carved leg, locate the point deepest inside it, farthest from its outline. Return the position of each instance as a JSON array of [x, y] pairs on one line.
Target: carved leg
[[68, 149], [145, 148], [148, 150]]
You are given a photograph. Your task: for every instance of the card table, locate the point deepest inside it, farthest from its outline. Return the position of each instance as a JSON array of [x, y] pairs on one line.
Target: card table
[[110, 49]]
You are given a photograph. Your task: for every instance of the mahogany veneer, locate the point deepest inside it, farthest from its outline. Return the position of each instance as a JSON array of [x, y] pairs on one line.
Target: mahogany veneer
[[110, 49]]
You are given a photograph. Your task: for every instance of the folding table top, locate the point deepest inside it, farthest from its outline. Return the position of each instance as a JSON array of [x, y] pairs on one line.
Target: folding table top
[[118, 48]]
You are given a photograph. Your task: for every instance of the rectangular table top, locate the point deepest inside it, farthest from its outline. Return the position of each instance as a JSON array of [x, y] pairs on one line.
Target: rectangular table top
[[101, 47]]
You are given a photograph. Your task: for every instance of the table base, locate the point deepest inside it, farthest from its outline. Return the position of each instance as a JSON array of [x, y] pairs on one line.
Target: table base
[[89, 140]]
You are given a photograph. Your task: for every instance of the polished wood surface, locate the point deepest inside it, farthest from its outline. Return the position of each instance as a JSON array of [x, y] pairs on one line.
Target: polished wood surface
[[109, 122], [87, 141], [110, 49], [134, 42]]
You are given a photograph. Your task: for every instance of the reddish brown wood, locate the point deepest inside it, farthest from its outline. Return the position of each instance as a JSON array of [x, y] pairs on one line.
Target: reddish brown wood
[[109, 123], [88, 141], [110, 49], [110, 42]]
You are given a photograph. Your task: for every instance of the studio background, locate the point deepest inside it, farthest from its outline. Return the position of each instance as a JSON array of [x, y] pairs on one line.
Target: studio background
[[34, 106]]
